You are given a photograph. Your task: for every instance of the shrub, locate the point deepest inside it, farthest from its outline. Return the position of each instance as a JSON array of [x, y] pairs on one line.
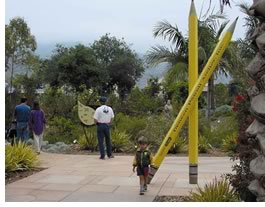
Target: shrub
[[216, 131], [19, 157], [120, 141], [58, 102], [216, 191], [88, 141], [180, 146], [221, 95], [131, 125], [204, 145], [61, 129], [140, 103], [223, 110], [156, 130], [230, 143]]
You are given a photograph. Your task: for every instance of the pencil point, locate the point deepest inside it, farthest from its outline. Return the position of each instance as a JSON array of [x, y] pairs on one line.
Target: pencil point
[[232, 26], [192, 9]]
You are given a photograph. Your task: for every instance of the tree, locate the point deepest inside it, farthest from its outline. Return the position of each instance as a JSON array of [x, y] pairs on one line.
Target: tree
[[121, 64], [73, 67], [19, 44], [107, 65]]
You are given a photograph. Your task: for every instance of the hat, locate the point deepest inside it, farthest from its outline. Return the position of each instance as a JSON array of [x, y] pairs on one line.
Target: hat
[[103, 99]]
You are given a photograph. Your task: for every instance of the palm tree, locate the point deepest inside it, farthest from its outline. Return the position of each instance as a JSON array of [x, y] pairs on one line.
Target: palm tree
[[209, 32]]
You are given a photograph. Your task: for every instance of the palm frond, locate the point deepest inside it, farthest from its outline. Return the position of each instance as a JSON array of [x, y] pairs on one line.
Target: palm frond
[[167, 31], [158, 54], [178, 72], [213, 20], [221, 29], [251, 22], [223, 3]]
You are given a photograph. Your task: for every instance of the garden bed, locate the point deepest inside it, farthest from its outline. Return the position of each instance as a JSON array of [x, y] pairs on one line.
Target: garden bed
[[75, 149], [172, 199], [18, 175]]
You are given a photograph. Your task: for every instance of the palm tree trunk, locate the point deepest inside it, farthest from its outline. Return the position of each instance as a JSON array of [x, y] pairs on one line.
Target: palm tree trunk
[[212, 94], [210, 98], [11, 79]]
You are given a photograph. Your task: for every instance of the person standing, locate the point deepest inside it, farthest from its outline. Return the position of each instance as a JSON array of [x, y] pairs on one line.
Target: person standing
[[37, 124], [142, 160], [22, 112], [103, 117]]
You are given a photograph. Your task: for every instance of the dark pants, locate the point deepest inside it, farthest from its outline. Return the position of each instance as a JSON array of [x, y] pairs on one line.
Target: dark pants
[[104, 131]]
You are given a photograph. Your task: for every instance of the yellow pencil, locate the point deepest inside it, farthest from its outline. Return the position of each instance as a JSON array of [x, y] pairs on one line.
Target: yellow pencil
[[193, 76], [173, 132]]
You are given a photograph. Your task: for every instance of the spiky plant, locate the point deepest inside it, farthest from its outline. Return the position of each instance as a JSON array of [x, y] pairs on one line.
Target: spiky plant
[[215, 191], [20, 157]]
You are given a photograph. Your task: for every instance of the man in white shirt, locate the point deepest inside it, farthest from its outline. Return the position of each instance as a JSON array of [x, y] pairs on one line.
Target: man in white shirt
[[103, 117]]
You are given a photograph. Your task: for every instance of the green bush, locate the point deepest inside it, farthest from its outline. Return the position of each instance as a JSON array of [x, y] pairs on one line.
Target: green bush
[[230, 143], [204, 145], [223, 110], [180, 146], [88, 141], [139, 102], [60, 129], [156, 130], [131, 125], [120, 141], [215, 131], [216, 191], [58, 102], [19, 157], [221, 95]]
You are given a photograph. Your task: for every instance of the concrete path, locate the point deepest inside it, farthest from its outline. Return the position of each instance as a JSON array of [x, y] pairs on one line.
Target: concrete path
[[74, 178]]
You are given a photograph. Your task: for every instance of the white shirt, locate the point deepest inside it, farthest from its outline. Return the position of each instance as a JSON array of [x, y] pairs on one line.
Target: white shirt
[[104, 114]]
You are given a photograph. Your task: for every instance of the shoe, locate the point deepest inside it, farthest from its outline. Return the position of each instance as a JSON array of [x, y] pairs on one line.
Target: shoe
[[145, 187], [111, 156], [141, 191], [102, 158]]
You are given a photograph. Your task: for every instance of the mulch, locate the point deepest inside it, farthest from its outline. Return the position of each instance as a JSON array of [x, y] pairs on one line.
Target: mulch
[[172, 199], [18, 175]]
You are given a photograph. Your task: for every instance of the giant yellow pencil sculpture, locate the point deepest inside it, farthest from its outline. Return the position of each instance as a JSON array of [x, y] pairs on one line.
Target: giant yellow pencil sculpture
[[173, 132], [193, 76]]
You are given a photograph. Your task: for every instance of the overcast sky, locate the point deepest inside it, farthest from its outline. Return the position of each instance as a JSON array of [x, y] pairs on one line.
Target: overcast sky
[[59, 21]]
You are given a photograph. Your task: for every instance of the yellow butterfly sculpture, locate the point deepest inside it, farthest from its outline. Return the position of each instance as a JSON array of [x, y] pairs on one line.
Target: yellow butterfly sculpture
[[86, 114]]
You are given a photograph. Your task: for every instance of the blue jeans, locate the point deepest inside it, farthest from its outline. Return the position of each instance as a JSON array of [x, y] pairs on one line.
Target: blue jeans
[[22, 131], [103, 131]]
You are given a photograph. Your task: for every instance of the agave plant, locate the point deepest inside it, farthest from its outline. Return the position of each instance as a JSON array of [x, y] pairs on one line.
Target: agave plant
[[215, 191], [19, 157]]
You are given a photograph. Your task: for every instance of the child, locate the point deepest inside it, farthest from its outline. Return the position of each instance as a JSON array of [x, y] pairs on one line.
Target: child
[[142, 160]]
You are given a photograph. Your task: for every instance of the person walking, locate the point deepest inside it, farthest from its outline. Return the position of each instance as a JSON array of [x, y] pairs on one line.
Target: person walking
[[37, 124], [22, 112], [103, 117], [142, 160]]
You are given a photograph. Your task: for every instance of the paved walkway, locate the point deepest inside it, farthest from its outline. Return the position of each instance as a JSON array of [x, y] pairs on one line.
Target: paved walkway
[[73, 178]]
